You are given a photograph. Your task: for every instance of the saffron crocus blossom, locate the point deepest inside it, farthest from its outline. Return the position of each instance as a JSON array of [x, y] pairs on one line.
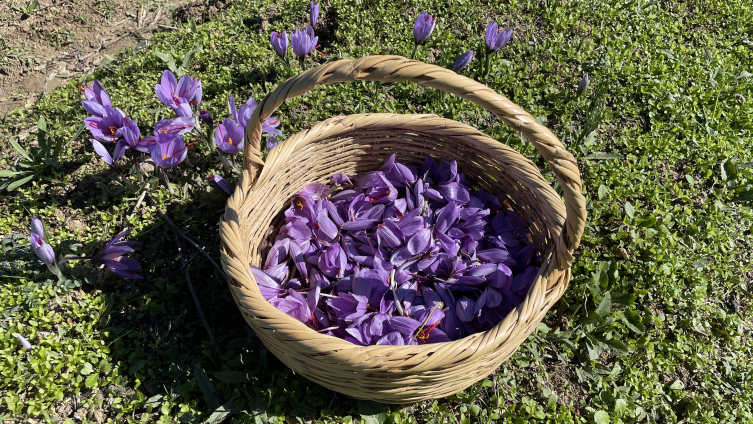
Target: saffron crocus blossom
[[169, 150], [496, 37], [423, 27], [104, 154], [462, 61], [304, 42], [206, 117], [221, 183], [229, 137], [582, 85], [399, 256], [112, 256], [280, 43], [25, 343], [243, 115], [39, 242], [177, 126], [314, 8], [272, 142], [105, 127], [170, 91], [96, 99]]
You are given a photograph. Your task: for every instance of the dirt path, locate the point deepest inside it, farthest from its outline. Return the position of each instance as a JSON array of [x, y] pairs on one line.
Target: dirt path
[[64, 39]]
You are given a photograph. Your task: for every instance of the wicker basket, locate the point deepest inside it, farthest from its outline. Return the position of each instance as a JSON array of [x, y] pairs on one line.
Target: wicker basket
[[359, 143]]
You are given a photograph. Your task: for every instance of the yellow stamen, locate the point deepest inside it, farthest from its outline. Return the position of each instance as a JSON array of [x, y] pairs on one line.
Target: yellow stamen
[[113, 130], [230, 140]]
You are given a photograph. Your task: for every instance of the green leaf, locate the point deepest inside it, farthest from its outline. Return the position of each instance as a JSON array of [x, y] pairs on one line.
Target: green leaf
[[630, 209], [6, 173], [260, 415], [605, 305], [153, 401], [603, 192], [206, 386], [593, 349], [373, 412], [633, 321], [190, 55], [601, 417], [592, 318], [87, 369], [222, 412], [137, 366], [44, 143], [677, 385], [620, 406], [745, 196], [618, 346], [91, 381], [18, 183], [19, 149], [165, 58], [235, 376]]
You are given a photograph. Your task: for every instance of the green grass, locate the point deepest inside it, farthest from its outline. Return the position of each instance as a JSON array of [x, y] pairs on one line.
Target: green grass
[[655, 325]]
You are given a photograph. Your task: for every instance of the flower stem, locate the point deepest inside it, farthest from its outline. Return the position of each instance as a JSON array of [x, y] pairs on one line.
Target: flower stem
[[488, 63], [415, 50]]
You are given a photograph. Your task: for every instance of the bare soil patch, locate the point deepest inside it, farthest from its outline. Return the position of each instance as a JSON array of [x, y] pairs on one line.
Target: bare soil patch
[[65, 39]]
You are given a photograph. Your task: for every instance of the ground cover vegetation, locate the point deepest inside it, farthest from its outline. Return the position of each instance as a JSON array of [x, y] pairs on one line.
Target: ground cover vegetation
[[655, 325]]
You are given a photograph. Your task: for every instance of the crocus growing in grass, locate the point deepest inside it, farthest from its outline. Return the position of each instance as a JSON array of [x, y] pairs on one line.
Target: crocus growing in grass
[[206, 118], [39, 242], [243, 115], [314, 7], [496, 38], [221, 183], [229, 137], [170, 91], [105, 128], [582, 85], [280, 43], [422, 29], [96, 98], [272, 141], [105, 155], [462, 61], [304, 42], [177, 126], [169, 150], [112, 256]]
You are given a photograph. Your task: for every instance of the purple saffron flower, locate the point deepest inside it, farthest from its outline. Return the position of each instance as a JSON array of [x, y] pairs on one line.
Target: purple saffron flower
[[25, 343], [177, 126], [221, 183], [229, 137], [169, 150], [96, 99], [280, 43], [206, 118], [243, 115], [112, 257], [304, 42], [314, 7], [169, 91], [272, 142], [423, 27], [582, 85], [462, 61], [39, 242], [105, 128], [496, 37], [105, 155]]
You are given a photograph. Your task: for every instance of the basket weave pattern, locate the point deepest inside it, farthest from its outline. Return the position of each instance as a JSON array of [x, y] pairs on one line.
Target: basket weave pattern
[[360, 143]]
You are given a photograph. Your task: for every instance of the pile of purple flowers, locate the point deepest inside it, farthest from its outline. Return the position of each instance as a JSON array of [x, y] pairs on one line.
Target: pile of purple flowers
[[399, 256]]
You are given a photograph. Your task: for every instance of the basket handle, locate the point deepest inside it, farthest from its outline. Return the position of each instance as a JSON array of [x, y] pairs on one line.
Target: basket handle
[[399, 69]]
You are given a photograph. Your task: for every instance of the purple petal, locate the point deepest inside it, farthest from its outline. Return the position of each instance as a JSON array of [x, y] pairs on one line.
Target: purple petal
[[419, 243]]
